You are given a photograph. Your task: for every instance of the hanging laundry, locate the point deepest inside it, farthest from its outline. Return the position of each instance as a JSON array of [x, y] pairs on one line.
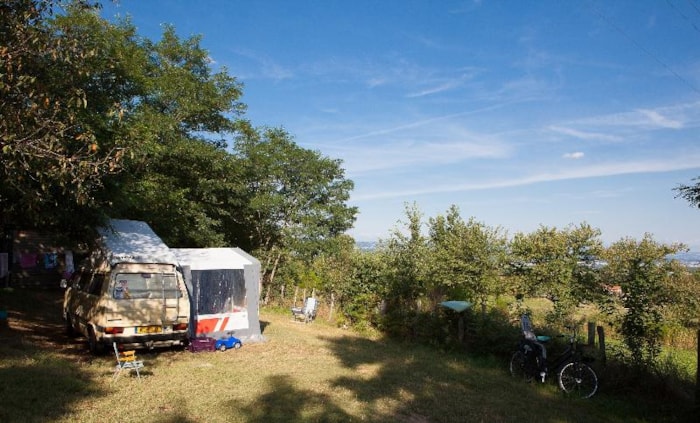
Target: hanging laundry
[[69, 261], [28, 260], [69, 268], [50, 260]]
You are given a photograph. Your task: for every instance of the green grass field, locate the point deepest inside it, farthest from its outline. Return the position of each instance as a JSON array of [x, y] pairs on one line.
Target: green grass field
[[301, 373]]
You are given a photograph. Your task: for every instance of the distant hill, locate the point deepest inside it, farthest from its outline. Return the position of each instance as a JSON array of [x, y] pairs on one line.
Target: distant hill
[[690, 259], [366, 245]]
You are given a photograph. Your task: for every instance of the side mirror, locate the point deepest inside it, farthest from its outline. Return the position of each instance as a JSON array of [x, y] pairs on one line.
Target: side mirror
[[64, 283]]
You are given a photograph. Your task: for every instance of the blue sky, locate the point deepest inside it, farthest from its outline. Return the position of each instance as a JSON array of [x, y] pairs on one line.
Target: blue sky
[[521, 113]]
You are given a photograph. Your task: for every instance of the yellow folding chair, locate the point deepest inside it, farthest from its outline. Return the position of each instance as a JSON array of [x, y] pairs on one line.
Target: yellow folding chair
[[126, 360]]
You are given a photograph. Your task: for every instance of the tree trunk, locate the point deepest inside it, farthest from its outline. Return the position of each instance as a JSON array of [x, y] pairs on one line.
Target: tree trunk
[[330, 310], [267, 295], [264, 275], [274, 268], [296, 294]]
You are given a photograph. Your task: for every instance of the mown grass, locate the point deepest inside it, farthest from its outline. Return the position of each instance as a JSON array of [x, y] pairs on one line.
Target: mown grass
[[301, 373]]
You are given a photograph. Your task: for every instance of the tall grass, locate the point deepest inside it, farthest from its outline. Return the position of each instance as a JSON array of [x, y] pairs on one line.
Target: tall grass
[[301, 373]]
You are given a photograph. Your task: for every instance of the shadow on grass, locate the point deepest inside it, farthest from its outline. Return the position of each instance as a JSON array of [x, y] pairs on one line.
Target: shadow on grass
[[40, 373], [41, 379], [285, 403], [263, 326], [423, 385], [173, 418], [42, 390]]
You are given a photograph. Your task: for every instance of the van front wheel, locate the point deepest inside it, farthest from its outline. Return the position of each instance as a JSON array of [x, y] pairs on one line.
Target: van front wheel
[[95, 347]]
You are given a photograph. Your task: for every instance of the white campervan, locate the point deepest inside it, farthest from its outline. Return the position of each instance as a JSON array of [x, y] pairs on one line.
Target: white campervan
[[129, 290]]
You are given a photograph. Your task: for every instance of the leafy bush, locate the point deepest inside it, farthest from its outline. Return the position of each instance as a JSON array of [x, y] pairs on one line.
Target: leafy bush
[[492, 333]]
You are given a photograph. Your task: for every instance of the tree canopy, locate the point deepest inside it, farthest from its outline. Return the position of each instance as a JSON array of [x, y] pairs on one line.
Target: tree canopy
[[648, 280], [97, 121], [60, 105], [558, 264]]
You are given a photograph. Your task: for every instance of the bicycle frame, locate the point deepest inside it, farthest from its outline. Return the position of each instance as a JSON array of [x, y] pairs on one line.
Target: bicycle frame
[[566, 356], [530, 361], [569, 354]]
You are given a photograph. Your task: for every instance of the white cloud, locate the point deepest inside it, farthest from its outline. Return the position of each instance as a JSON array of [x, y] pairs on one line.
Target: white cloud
[[420, 123], [407, 153], [574, 156], [631, 126], [440, 84], [584, 135], [376, 82], [597, 171], [371, 73], [437, 89], [672, 117], [266, 66], [655, 118]]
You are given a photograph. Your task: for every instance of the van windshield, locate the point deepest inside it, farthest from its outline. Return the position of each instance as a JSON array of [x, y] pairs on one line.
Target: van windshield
[[145, 285]]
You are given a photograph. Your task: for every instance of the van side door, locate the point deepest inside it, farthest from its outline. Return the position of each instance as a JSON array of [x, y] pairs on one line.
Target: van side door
[[94, 292]]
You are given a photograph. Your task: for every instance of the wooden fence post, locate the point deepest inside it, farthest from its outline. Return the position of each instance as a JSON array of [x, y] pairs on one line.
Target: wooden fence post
[[601, 344], [591, 333]]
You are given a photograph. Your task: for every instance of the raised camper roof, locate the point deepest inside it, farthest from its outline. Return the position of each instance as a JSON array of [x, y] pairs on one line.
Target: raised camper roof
[[133, 241], [213, 258]]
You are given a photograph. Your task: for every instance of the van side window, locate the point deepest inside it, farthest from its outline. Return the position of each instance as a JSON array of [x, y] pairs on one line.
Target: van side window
[[97, 283], [85, 280], [81, 280]]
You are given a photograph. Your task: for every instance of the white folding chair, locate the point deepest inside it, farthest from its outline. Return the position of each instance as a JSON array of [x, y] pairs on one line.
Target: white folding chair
[[306, 313]]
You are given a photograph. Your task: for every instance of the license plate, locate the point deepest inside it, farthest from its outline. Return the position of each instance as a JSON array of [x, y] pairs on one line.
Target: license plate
[[149, 329]]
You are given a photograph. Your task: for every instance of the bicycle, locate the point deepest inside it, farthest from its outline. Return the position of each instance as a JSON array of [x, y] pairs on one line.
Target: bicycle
[[530, 362]]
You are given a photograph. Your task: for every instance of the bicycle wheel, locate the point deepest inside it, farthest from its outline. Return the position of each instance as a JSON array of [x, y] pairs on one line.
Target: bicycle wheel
[[578, 378], [519, 366]]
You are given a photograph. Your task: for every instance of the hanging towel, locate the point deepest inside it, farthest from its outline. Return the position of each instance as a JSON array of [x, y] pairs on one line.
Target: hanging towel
[[28, 260], [68, 269], [69, 261], [50, 260]]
